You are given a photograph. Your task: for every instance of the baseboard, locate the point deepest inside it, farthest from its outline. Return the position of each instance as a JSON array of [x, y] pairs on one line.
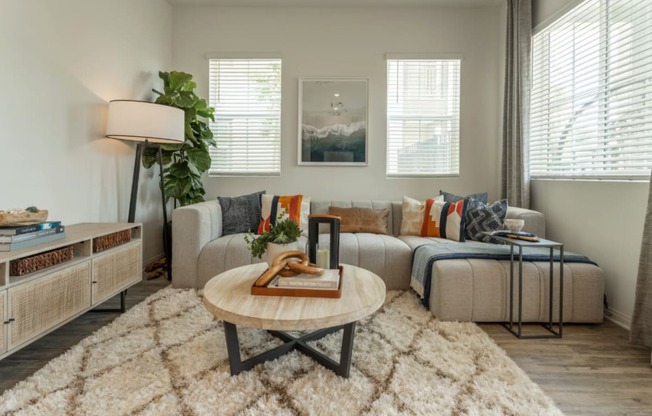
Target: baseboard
[[619, 319]]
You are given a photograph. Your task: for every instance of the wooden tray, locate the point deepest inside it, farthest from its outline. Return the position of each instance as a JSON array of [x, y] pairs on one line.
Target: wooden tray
[[299, 293]]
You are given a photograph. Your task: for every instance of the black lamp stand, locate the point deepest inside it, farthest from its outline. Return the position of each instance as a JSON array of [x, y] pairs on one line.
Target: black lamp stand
[[134, 193]]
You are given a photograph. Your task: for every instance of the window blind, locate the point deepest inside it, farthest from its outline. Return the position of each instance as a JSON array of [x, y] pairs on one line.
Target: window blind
[[423, 117], [591, 101], [246, 95]]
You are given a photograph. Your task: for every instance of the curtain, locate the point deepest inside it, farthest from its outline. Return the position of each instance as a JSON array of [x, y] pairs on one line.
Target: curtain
[[515, 181], [641, 329]]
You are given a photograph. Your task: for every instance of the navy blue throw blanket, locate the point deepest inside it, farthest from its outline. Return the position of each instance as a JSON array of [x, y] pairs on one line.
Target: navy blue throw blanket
[[425, 255]]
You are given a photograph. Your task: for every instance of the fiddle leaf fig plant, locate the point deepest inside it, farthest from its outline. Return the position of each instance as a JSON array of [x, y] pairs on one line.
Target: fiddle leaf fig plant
[[185, 163]]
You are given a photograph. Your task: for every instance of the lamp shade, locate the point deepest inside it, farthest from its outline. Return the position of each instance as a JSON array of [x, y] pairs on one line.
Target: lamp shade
[[142, 121]]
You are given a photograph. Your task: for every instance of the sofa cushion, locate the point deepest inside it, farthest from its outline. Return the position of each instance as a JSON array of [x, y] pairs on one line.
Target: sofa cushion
[[385, 255], [361, 220], [297, 207], [228, 252], [240, 214]]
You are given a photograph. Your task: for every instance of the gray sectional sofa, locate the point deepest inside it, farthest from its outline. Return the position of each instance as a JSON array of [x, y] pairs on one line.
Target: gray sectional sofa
[[461, 289]]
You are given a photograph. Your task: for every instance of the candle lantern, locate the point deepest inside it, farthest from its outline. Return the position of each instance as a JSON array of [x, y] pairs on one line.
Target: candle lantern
[[326, 257]]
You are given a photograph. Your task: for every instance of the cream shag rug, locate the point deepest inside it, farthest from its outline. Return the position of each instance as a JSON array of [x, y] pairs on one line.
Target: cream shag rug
[[167, 356]]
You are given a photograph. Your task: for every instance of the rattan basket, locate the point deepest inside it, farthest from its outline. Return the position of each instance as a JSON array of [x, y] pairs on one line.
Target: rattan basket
[[108, 241], [37, 262]]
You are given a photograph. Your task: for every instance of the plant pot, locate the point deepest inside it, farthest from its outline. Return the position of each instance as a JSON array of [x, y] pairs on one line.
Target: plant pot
[[274, 250]]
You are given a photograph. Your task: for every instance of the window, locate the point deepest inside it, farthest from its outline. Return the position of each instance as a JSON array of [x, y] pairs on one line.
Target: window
[[591, 103], [246, 95], [423, 117]]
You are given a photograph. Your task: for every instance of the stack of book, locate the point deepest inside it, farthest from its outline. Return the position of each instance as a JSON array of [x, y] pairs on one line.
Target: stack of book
[[330, 279], [23, 236]]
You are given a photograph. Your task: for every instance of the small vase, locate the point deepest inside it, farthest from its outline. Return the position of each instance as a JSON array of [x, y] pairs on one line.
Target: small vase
[[274, 250]]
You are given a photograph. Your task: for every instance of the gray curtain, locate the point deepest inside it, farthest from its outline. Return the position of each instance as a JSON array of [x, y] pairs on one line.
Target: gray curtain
[[641, 330], [515, 177]]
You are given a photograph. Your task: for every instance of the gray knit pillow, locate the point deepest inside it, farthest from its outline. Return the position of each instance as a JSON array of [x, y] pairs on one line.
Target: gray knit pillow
[[241, 213]]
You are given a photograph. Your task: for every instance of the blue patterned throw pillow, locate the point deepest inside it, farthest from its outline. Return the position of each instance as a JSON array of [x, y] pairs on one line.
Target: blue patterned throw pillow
[[481, 218]]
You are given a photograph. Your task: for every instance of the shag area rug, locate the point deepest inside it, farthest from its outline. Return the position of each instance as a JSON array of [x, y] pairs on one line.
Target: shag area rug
[[167, 356]]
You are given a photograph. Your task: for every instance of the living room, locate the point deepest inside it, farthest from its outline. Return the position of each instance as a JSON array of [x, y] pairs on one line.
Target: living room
[[77, 55]]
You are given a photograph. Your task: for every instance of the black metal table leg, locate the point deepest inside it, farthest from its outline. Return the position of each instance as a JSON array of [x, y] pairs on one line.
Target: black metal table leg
[[342, 368]]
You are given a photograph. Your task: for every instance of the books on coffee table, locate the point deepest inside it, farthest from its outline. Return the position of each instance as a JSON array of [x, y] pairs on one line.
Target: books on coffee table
[[330, 279]]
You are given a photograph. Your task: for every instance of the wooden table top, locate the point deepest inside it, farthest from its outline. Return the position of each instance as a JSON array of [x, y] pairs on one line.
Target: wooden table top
[[228, 297]]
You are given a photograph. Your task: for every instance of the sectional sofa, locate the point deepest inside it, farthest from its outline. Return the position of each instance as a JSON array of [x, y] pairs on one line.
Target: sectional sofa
[[467, 289]]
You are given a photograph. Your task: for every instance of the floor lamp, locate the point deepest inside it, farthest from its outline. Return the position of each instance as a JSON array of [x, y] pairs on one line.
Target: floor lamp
[[150, 125]]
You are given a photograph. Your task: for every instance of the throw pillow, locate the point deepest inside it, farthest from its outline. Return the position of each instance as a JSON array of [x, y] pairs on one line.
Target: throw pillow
[[452, 220], [361, 220], [240, 214], [412, 219], [480, 196], [481, 217], [297, 207], [431, 223]]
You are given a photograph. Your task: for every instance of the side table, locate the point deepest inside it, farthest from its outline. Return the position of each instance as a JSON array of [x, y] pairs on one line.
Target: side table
[[542, 243]]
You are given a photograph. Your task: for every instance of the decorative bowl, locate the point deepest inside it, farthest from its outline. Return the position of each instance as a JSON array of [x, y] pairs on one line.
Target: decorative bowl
[[22, 217], [514, 224]]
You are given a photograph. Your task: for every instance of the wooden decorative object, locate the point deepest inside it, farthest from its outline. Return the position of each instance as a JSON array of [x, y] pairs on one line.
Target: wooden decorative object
[[108, 241], [298, 292], [22, 217], [37, 262]]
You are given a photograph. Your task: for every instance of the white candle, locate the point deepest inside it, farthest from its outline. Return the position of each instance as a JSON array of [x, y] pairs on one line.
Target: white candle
[[323, 258]]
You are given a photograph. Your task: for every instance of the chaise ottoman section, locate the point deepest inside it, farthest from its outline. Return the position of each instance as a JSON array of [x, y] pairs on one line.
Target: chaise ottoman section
[[478, 290], [472, 289]]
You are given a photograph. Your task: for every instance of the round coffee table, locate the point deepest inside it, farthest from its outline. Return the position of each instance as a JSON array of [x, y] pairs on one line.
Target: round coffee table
[[228, 297]]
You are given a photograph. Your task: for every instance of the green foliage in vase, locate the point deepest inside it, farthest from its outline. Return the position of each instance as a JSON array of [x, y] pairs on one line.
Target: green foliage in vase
[[284, 231], [185, 163]]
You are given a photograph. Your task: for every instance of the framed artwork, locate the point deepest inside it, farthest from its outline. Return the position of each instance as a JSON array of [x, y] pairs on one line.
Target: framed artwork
[[333, 121]]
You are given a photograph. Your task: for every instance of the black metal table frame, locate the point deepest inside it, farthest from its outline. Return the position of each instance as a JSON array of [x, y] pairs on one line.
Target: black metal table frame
[[549, 326], [342, 368]]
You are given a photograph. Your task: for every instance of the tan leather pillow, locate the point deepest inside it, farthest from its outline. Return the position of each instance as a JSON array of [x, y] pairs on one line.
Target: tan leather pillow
[[361, 220]]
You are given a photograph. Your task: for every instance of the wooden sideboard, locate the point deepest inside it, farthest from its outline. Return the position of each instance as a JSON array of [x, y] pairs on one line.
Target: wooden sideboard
[[37, 303]]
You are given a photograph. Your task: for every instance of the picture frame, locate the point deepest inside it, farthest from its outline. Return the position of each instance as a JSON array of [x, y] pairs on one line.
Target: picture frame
[[333, 121]]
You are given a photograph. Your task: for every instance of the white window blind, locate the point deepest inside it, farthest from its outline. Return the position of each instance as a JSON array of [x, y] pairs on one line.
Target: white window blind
[[246, 95], [423, 117], [591, 103]]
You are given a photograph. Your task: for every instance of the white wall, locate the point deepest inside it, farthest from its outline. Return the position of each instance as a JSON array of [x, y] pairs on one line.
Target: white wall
[[350, 42], [60, 63], [600, 219]]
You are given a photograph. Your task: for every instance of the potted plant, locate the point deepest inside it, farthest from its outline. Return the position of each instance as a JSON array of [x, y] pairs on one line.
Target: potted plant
[[282, 236], [184, 164]]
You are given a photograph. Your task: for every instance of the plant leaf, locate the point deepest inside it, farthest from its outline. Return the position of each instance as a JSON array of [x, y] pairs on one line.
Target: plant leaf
[[200, 158]]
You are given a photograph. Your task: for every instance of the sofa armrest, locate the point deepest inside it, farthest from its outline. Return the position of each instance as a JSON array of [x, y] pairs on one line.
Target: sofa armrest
[[535, 221], [193, 227]]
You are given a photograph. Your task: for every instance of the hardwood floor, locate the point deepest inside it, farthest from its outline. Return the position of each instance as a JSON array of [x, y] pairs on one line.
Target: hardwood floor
[[593, 370]]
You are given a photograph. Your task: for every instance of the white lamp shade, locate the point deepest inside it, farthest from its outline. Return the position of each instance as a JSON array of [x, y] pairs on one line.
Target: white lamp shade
[[143, 121]]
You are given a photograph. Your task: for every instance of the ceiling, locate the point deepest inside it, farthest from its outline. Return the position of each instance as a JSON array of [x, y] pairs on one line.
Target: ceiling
[[338, 3]]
